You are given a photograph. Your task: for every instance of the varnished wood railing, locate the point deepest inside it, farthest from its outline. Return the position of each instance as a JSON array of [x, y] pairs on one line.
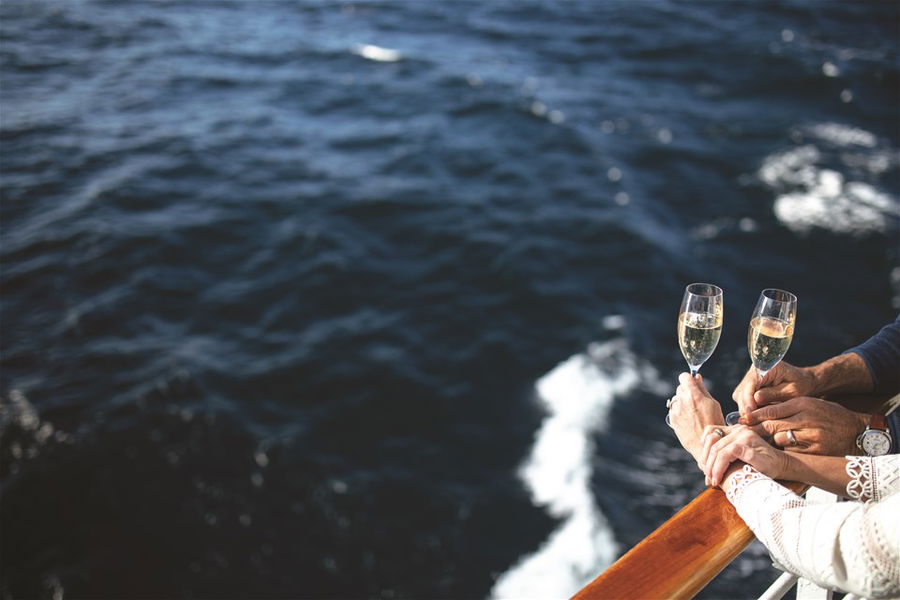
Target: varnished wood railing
[[678, 559]]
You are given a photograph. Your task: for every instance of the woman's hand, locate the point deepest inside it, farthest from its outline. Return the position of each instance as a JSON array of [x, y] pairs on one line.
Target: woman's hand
[[739, 443], [691, 409]]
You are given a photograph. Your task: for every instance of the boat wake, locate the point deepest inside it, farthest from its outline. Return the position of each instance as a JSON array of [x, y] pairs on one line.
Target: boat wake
[[578, 395]]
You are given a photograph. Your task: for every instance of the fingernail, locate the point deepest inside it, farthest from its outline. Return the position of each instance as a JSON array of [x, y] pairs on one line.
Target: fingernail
[[714, 483]]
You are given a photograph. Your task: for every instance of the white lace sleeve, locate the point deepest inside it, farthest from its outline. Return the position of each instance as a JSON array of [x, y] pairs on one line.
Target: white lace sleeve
[[873, 478], [850, 546]]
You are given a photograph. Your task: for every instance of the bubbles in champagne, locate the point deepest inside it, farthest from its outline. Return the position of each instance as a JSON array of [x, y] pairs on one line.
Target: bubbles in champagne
[[698, 335], [768, 341]]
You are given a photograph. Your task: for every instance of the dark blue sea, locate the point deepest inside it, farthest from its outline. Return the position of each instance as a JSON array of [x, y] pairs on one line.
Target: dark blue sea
[[364, 299]]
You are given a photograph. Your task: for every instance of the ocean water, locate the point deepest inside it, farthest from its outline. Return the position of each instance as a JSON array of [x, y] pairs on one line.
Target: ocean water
[[377, 299]]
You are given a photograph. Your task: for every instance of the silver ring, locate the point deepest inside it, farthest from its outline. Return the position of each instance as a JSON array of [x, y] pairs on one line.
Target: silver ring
[[719, 432], [791, 438]]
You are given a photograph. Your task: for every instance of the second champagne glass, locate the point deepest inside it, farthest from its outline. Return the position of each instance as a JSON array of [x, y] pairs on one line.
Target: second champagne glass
[[770, 333], [699, 324]]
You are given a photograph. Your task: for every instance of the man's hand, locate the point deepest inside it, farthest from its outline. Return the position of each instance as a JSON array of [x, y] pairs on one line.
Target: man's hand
[[783, 382], [819, 426]]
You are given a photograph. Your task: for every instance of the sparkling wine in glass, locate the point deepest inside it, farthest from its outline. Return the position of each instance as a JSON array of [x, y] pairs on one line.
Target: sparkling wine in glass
[[770, 333], [699, 324]]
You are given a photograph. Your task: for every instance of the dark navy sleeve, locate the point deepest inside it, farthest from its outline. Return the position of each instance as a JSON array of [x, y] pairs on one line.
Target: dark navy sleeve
[[881, 352], [893, 425]]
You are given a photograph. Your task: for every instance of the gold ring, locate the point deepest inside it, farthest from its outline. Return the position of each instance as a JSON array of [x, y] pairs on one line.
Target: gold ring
[[719, 432]]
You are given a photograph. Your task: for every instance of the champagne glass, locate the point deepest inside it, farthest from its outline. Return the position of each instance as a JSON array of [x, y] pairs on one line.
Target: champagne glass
[[699, 324], [770, 334]]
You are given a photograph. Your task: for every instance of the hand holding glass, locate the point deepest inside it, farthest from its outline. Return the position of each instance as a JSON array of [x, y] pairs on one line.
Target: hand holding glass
[[770, 333], [699, 324]]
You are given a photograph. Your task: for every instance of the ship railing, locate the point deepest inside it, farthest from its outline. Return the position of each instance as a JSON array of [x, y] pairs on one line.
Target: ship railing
[[686, 552]]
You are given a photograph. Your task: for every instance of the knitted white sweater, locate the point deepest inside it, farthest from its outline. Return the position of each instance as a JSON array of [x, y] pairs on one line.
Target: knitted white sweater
[[853, 547]]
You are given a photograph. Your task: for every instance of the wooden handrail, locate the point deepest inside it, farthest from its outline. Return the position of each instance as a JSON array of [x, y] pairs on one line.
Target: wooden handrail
[[684, 554]]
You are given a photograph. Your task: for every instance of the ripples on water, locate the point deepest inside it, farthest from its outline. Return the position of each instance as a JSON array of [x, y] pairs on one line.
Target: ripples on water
[[286, 285]]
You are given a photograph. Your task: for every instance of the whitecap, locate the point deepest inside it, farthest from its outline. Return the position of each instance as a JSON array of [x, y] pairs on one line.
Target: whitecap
[[792, 167], [21, 412], [843, 135], [377, 53], [17, 412], [810, 195]]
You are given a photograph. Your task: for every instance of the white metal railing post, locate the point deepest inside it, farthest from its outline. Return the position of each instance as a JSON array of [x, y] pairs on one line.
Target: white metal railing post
[[780, 587], [807, 590]]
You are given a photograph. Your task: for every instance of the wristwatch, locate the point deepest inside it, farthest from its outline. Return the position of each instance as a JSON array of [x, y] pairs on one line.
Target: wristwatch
[[876, 439]]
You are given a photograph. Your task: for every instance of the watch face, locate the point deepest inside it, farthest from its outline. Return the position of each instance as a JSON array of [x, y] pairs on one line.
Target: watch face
[[876, 443]]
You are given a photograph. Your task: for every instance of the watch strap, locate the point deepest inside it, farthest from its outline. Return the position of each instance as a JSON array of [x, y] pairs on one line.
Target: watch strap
[[877, 421], [877, 427]]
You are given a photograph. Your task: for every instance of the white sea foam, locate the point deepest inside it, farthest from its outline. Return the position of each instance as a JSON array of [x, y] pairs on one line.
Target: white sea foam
[[21, 412], [793, 167], [376, 53], [578, 395], [843, 135], [811, 195], [18, 412]]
